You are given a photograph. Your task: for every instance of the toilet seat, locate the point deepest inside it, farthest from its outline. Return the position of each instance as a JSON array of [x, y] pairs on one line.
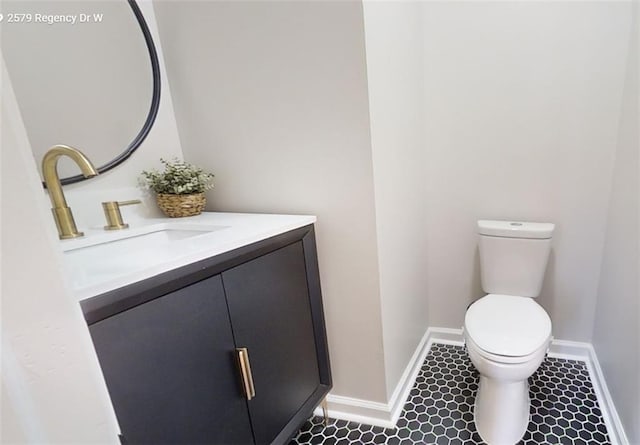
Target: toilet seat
[[507, 328], [505, 359]]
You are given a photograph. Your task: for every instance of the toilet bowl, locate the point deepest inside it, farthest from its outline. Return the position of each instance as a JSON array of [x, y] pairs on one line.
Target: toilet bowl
[[507, 338], [506, 332]]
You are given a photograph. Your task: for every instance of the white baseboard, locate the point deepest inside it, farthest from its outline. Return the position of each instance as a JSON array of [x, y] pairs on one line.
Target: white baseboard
[[608, 408], [570, 350], [386, 414], [381, 414], [358, 410]]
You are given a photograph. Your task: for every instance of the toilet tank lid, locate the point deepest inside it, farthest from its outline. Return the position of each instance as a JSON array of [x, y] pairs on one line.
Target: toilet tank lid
[[515, 229]]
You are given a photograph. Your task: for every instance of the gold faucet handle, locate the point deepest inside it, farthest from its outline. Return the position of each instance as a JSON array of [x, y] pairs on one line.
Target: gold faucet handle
[[113, 215]]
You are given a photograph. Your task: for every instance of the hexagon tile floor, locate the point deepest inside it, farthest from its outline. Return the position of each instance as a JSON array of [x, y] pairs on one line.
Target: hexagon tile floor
[[440, 408]]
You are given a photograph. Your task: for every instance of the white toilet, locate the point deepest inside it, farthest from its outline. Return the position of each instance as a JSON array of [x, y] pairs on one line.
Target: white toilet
[[507, 333]]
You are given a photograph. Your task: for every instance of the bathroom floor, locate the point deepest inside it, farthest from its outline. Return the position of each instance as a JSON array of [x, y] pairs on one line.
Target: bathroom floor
[[440, 408]]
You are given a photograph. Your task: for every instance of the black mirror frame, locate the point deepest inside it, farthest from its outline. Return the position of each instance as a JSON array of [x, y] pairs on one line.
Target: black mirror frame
[[153, 110]]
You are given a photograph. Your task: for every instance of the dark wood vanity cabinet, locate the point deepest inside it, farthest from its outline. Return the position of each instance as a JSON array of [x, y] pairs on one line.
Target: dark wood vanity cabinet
[[168, 347], [169, 367]]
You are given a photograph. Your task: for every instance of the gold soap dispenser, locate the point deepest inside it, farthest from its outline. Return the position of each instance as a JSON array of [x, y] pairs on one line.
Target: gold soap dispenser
[[113, 215]]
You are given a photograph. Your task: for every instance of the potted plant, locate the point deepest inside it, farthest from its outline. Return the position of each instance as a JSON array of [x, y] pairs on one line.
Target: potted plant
[[179, 188]]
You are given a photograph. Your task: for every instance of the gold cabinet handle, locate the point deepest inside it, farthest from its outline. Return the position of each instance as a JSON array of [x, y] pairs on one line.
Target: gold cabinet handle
[[113, 215], [245, 371]]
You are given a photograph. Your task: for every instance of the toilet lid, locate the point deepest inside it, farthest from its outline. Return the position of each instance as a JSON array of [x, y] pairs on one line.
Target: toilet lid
[[507, 325]]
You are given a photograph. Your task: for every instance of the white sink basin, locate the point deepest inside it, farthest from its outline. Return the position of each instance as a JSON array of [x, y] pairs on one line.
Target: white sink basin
[[126, 244], [111, 255]]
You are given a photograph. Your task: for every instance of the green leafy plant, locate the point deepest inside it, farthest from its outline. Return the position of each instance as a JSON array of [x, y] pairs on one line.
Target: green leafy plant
[[178, 178]]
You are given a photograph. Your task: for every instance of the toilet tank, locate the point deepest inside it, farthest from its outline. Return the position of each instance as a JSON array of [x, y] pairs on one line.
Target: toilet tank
[[513, 256]]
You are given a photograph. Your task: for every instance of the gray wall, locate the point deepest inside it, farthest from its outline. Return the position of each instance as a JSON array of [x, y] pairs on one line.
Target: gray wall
[[522, 106], [393, 34], [272, 97], [617, 334]]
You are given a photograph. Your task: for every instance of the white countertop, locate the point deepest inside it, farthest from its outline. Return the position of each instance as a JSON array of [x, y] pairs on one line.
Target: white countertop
[[102, 261]]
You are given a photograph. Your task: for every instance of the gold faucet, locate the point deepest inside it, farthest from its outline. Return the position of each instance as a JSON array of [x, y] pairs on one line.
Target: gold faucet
[[61, 212]]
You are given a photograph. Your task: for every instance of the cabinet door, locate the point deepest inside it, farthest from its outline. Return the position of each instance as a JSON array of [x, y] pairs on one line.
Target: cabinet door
[[170, 369], [268, 301]]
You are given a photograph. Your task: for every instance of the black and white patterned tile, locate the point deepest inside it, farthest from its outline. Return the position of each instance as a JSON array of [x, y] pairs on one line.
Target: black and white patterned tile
[[439, 410]]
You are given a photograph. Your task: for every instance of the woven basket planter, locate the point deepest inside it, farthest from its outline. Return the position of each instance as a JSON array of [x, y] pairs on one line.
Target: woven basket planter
[[177, 206]]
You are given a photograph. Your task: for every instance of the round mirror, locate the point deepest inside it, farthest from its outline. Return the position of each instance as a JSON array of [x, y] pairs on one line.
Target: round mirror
[[85, 74]]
